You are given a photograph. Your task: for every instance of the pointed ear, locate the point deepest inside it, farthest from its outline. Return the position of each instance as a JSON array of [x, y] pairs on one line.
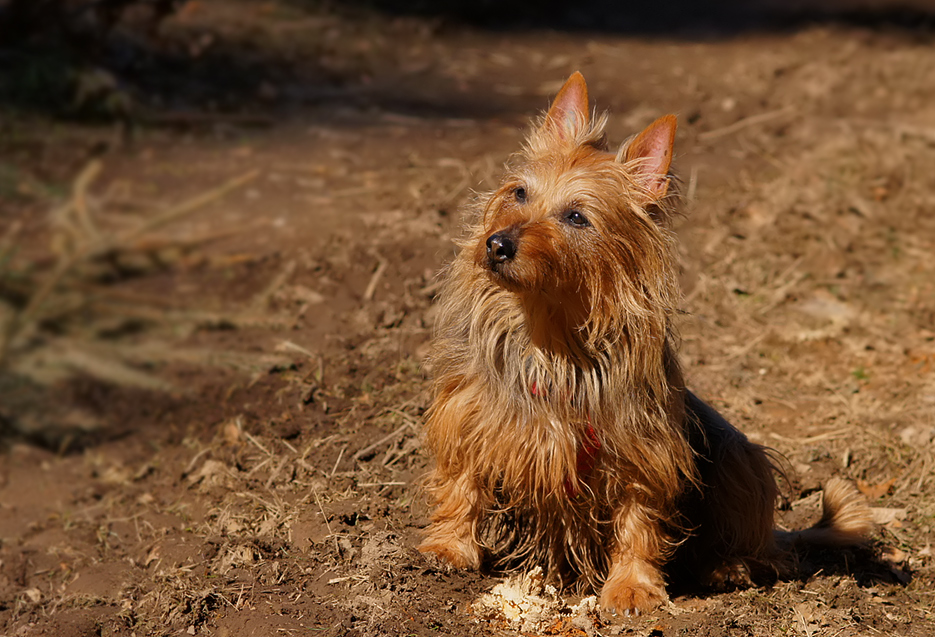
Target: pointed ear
[[651, 154], [569, 112]]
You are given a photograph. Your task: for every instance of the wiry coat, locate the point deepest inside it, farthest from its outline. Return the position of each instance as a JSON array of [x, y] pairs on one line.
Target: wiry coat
[[561, 427], [615, 371]]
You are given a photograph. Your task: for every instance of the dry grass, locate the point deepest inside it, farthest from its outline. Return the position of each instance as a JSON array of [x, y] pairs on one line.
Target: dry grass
[[72, 311]]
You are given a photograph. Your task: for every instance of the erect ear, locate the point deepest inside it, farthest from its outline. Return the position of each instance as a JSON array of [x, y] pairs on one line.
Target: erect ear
[[569, 112], [651, 154]]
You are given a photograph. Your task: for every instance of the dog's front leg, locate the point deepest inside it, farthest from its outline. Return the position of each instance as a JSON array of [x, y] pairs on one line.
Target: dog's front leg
[[452, 534], [634, 582]]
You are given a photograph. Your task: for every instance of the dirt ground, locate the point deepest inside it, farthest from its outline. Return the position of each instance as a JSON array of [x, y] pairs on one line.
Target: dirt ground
[[211, 426]]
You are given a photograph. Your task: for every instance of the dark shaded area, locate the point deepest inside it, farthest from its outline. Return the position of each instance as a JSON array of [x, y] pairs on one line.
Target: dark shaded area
[[195, 76], [68, 55], [861, 563], [75, 62], [80, 413], [676, 18], [115, 62]]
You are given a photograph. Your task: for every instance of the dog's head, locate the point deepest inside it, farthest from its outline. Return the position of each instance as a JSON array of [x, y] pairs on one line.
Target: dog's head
[[580, 227]]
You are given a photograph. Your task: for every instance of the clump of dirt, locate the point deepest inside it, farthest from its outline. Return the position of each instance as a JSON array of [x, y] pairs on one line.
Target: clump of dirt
[[527, 604]]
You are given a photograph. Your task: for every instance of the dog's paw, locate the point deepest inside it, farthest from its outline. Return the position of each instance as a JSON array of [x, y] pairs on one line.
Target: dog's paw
[[454, 554], [634, 592]]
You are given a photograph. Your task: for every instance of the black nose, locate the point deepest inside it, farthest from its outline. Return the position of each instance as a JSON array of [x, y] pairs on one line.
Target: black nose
[[500, 248]]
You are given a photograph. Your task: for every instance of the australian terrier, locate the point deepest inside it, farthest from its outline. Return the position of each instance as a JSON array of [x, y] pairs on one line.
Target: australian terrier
[[562, 430]]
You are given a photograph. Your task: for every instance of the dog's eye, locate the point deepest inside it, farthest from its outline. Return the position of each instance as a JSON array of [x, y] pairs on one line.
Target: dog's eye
[[520, 193], [575, 218]]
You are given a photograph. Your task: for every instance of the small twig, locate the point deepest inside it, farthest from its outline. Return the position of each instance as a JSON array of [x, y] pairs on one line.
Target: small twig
[[191, 464], [327, 524], [746, 347], [338, 461], [302, 463], [393, 456], [24, 317], [692, 185], [315, 444], [268, 506], [198, 318], [404, 415], [295, 347], [275, 473], [779, 294], [154, 244], [7, 243], [382, 441], [806, 627], [432, 288], [79, 200], [451, 195], [259, 466], [261, 300], [257, 443], [746, 122], [188, 206], [372, 286], [829, 435]]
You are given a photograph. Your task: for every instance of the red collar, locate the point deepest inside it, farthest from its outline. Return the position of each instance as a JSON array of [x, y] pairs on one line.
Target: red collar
[[587, 458]]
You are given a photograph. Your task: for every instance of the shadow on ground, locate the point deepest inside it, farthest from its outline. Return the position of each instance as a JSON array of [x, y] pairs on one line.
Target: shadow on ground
[[135, 76]]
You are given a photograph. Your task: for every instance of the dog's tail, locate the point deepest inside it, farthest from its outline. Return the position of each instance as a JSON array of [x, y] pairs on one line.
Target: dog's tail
[[846, 519]]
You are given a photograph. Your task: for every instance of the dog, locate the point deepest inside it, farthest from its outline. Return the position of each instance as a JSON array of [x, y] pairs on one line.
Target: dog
[[562, 430]]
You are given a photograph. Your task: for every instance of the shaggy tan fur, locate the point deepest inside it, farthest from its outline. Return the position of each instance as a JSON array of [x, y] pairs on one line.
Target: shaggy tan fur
[[561, 427]]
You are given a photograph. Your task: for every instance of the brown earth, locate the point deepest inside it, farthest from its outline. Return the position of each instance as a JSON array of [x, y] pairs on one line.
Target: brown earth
[[213, 428]]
